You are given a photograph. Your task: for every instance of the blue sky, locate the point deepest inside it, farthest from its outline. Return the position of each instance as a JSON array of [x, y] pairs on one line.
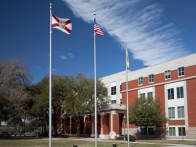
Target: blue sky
[[155, 31]]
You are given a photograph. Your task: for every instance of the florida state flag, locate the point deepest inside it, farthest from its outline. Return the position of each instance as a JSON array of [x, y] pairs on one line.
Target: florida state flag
[[63, 24]]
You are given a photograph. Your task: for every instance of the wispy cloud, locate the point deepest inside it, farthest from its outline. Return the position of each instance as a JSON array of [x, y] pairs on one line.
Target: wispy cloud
[[70, 55], [63, 57], [136, 22]]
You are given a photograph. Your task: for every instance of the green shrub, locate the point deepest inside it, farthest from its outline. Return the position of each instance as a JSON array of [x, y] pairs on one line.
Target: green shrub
[[131, 137], [120, 138]]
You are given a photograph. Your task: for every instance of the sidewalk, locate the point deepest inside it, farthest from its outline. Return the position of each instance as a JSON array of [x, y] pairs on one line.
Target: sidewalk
[[115, 141]]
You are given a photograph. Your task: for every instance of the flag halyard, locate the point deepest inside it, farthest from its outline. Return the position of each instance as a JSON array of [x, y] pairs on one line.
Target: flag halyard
[[63, 24]]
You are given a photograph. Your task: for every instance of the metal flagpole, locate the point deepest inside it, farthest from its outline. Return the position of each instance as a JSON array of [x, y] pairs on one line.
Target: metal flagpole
[[50, 82], [95, 79], [127, 102]]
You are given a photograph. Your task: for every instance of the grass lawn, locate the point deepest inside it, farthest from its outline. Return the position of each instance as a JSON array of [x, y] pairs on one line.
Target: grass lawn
[[64, 143], [68, 142], [188, 142]]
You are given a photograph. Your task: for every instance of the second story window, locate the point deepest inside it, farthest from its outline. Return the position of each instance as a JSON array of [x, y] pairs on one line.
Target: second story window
[[142, 95], [167, 74], [171, 112], [181, 112], [140, 81], [181, 71], [113, 90], [151, 78], [150, 94]]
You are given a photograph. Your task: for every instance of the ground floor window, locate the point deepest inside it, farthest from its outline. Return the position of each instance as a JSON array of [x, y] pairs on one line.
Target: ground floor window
[[172, 131], [150, 131], [113, 102], [143, 131], [181, 131]]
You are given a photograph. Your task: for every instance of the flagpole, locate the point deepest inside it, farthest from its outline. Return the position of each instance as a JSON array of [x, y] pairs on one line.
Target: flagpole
[[95, 88], [50, 81], [127, 101]]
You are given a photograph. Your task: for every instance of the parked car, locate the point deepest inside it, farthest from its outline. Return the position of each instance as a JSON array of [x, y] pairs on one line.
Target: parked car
[[4, 133]]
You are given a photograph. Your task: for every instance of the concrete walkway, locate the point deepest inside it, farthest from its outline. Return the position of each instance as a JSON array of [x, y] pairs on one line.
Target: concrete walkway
[[115, 141]]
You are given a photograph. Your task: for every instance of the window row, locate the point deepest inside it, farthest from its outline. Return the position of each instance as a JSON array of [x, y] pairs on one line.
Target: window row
[[179, 93], [180, 112], [148, 94], [181, 72], [181, 131], [144, 131]]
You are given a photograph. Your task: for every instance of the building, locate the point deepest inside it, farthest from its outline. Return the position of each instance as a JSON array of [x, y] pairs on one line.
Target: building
[[172, 82]]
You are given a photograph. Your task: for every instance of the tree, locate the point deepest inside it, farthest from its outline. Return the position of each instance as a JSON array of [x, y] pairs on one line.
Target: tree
[[14, 80], [38, 107], [146, 112], [80, 100], [75, 93]]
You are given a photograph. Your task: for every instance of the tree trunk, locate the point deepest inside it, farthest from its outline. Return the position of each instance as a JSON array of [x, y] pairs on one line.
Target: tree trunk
[[54, 124], [146, 132], [78, 125]]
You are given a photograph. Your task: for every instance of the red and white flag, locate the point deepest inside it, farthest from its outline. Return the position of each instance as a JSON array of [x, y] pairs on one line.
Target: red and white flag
[[97, 29], [63, 24]]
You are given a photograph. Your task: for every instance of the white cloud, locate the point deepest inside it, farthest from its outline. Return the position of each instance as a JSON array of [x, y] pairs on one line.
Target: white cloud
[[70, 55], [63, 57], [136, 22]]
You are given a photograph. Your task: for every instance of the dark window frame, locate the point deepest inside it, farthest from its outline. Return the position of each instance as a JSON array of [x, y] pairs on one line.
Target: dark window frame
[[181, 71], [168, 74], [113, 90], [151, 78]]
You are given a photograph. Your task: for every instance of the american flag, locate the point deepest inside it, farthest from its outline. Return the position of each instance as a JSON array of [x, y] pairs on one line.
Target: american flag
[[97, 29]]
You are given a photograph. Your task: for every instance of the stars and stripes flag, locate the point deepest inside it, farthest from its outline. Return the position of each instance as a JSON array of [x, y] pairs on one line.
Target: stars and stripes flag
[[63, 24], [127, 59], [97, 29]]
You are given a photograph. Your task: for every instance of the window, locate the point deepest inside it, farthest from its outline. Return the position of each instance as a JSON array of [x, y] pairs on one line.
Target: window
[[172, 131], [142, 95], [120, 88], [151, 78], [143, 131], [171, 112], [120, 101], [181, 131], [167, 74], [150, 131], [180, 93], [181, 71], [140, 81], [113, 102], [181, 112], [170, 93], [113, 90], [150, 94]]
